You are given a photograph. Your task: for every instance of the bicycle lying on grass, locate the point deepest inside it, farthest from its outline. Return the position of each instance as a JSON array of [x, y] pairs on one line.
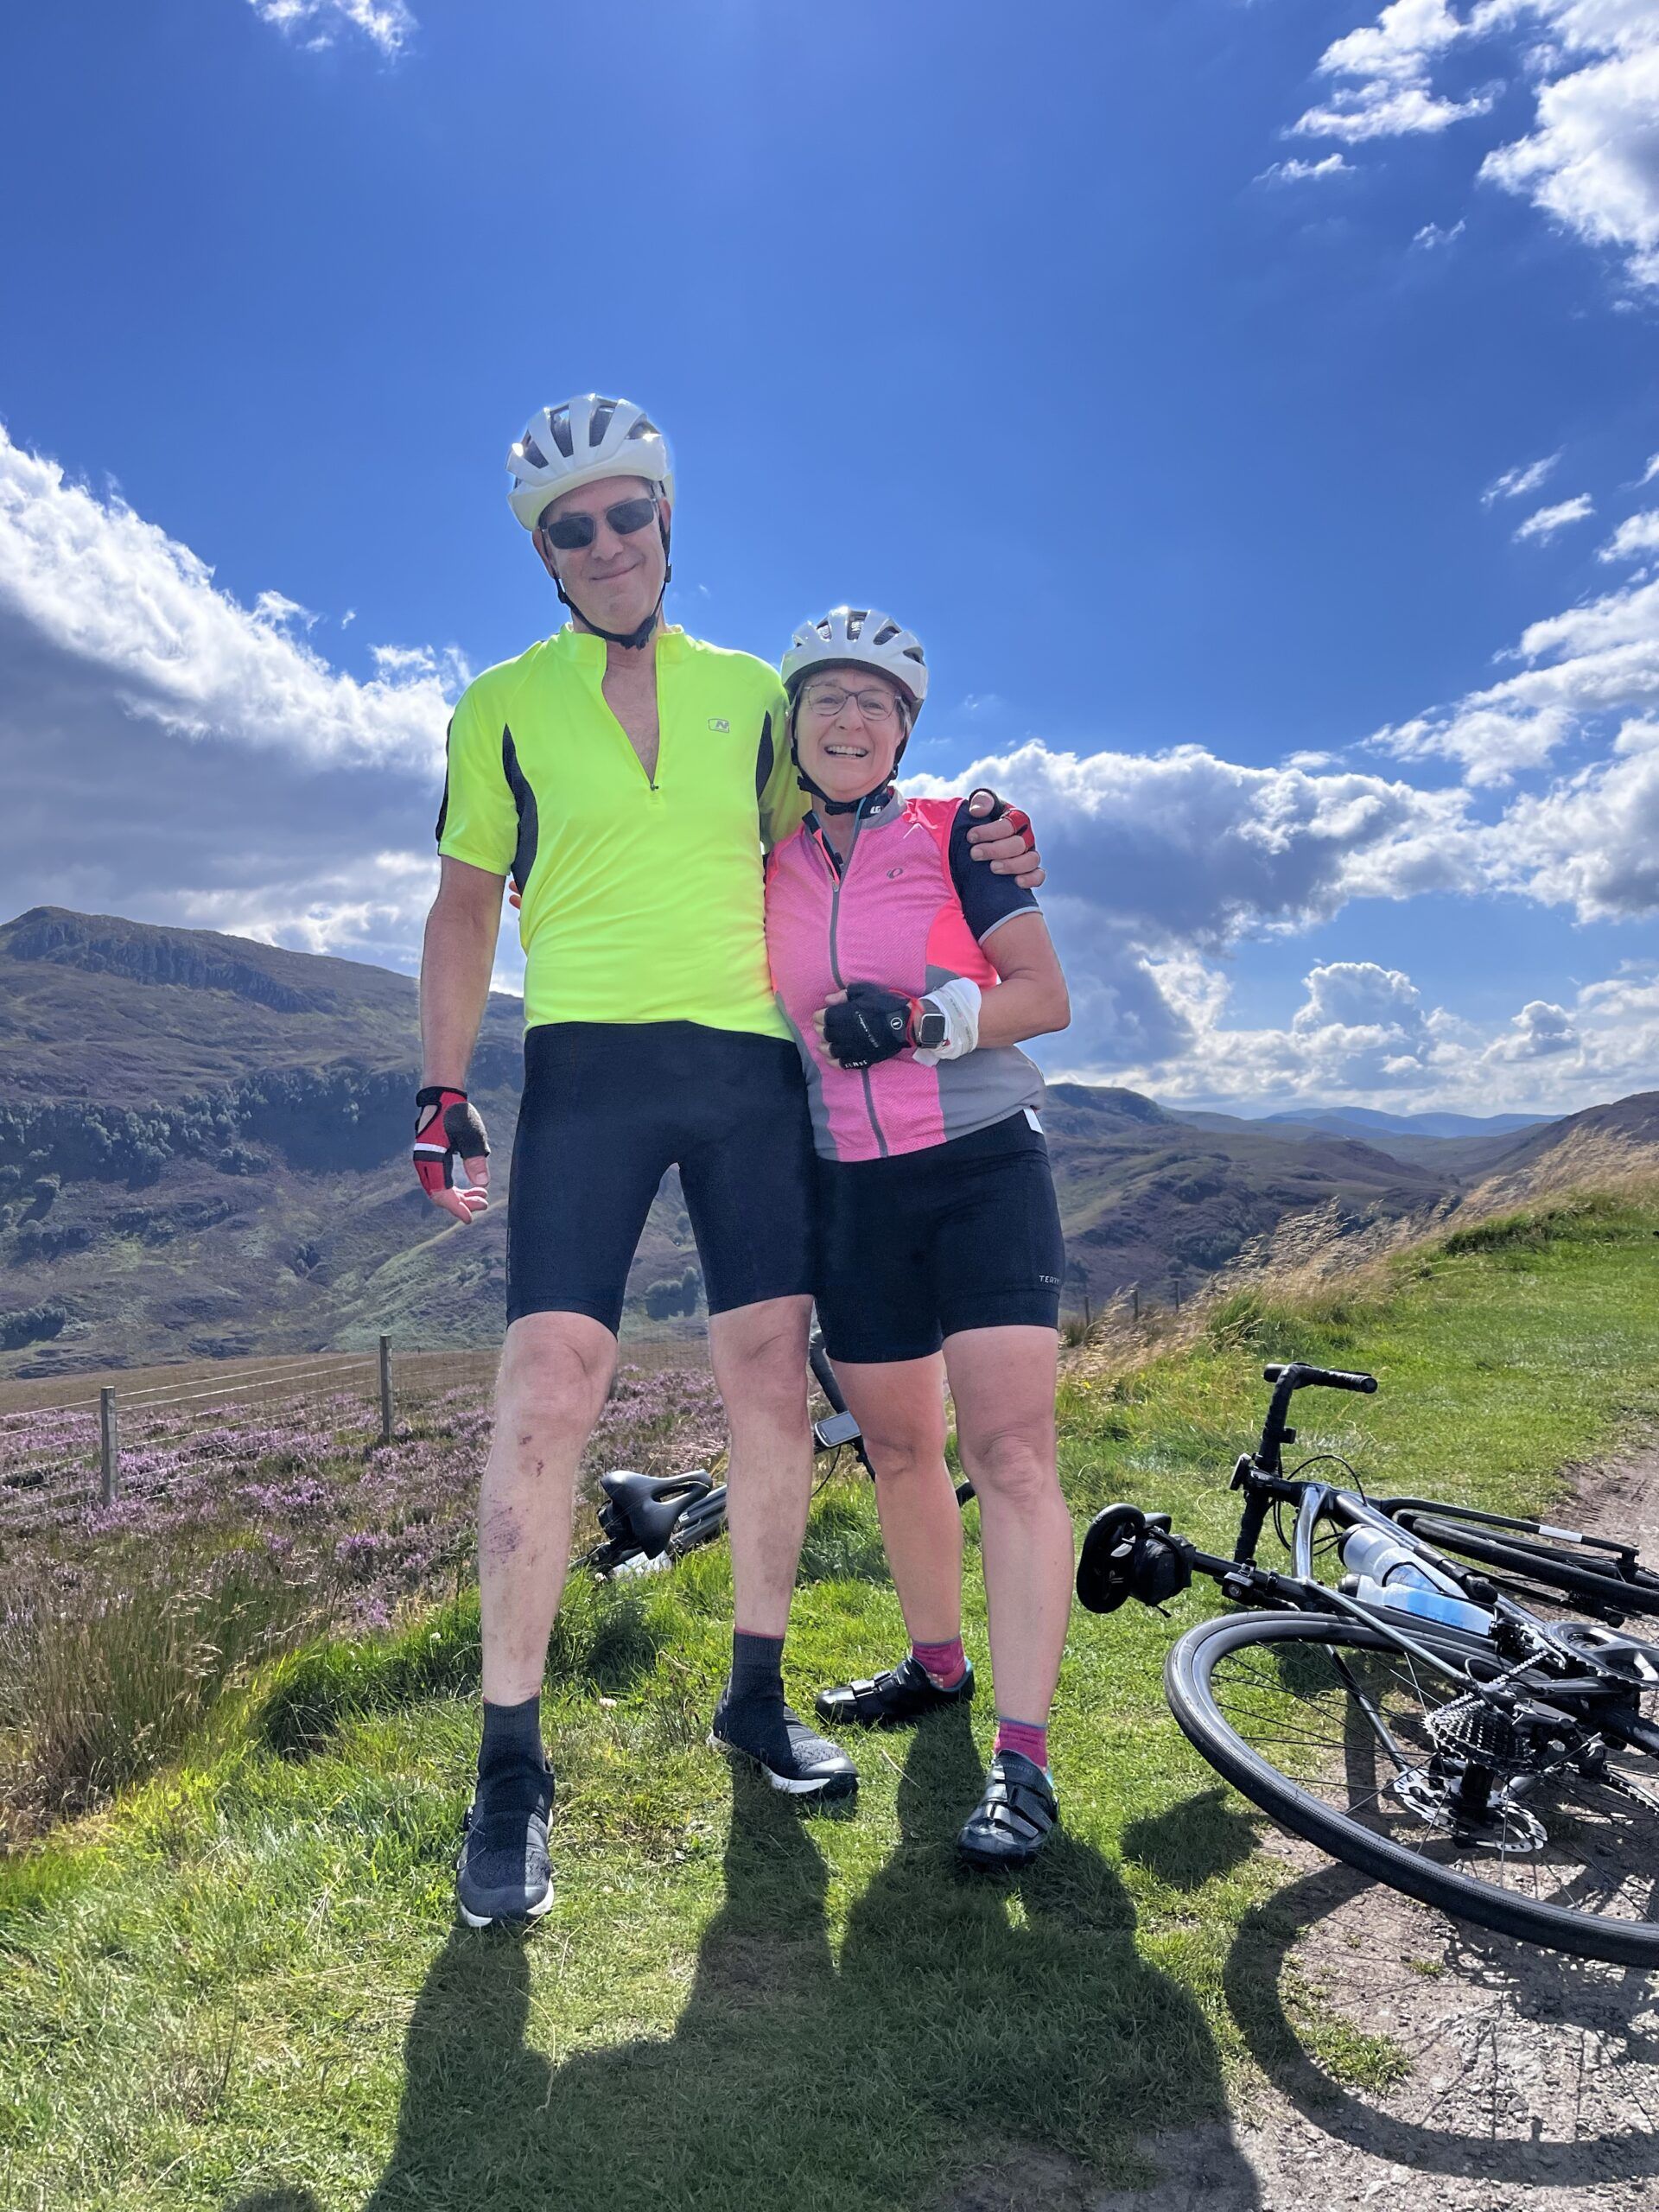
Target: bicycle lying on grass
[[1416, 1717], [647, 1522]]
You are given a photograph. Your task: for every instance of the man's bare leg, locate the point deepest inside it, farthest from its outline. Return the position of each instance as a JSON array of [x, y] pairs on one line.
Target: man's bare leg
[[556, 1370], [759, 1354]]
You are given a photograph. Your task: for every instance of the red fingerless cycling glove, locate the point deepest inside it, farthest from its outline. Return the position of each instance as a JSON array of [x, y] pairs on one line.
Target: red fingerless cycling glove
[[1012, 819], [447, 1127]]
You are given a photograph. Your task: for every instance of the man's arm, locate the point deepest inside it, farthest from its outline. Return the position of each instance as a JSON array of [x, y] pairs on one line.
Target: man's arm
[[457, 959], [782, 802]]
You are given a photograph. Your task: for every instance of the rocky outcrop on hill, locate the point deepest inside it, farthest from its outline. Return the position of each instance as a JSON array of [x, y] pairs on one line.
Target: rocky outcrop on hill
[[195, 960]]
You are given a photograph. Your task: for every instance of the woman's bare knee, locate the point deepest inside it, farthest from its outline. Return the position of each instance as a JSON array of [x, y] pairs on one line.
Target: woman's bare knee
[[1015, 1464]]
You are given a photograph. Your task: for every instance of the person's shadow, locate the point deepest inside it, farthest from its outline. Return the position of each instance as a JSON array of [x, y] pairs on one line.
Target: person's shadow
[[968, 2025]]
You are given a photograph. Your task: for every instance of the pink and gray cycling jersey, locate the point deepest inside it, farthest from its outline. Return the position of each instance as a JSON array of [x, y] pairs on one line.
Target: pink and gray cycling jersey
[[909, 909]]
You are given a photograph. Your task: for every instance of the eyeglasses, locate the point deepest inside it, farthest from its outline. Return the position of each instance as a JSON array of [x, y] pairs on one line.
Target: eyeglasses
[[569, 533], [875, 706]]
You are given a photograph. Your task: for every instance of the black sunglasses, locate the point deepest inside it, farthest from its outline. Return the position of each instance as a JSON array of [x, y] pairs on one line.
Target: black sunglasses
[[569, 533]]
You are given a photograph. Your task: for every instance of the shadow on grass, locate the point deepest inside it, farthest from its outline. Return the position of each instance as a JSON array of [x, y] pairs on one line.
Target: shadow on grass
[[968, 2028], [1192, 1842]]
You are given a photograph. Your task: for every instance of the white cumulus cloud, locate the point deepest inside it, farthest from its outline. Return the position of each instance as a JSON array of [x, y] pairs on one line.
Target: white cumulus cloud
[[1547, 521], [1592, 841], [1432, 235], [1301, 172], [386, 24], [1382, 74], [1595, 661], [1635, 537], [1590, 159], [109, 588], [1515, 483], [1165, 856], [1539, 1032], [173, 755]]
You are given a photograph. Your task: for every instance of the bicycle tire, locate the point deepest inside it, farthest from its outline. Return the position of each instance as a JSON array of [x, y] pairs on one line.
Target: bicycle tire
[[1540, 1562], [1187, 1685]]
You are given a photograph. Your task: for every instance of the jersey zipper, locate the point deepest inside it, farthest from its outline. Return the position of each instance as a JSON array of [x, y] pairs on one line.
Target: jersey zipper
[[653, 789], [838, 870]]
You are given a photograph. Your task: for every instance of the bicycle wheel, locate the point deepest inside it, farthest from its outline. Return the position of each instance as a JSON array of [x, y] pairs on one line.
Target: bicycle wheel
[[1577, 1572], [1405, 1774]]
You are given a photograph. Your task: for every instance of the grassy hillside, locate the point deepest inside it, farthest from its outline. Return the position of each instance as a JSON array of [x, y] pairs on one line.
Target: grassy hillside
[[240, 1987]]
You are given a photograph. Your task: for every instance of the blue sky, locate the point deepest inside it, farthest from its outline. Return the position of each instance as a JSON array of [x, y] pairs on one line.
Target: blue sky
[[1165, 421]]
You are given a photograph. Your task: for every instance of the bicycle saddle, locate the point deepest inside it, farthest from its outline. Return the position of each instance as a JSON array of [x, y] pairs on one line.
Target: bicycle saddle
[[643, 1509], [1128, 1553]]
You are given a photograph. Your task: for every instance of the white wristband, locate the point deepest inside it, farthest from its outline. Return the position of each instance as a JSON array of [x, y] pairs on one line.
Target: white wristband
[[958, 1002]]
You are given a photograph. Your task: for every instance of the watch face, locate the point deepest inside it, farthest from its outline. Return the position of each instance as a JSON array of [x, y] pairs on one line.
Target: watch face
[[930, 1031]]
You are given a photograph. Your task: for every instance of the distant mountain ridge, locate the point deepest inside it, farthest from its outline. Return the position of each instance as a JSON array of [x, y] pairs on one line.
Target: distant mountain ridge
[[203, 1151]]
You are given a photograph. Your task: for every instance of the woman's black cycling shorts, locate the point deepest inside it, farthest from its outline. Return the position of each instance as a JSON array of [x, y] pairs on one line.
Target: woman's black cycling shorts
[[608, 1108], [914, 1249]]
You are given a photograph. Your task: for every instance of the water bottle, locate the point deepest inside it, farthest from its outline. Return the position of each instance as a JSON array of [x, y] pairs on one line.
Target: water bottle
[[1380, 1554], [1425, 1602]]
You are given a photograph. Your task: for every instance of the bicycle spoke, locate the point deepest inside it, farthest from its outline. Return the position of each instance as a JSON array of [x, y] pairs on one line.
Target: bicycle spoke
[[1355, 1726]]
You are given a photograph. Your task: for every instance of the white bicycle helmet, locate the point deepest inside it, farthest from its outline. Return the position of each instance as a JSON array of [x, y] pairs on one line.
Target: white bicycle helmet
[[865, 637], [577, 444]]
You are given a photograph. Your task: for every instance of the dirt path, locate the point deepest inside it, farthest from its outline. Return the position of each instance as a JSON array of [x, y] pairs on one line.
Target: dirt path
[[1532, 2082]]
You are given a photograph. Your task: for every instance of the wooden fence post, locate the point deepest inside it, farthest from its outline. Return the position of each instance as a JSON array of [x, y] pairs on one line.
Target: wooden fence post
[[1135, 1300], [386, 1390], [110, 1444]]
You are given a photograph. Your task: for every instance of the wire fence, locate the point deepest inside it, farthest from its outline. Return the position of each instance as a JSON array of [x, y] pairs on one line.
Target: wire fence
[[83, 1450]]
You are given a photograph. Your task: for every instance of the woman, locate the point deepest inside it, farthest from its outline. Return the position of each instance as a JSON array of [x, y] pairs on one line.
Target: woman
[[909, 974]]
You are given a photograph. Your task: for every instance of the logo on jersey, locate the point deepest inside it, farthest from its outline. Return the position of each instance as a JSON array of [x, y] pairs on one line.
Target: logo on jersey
[[892, 872], [718, 721]]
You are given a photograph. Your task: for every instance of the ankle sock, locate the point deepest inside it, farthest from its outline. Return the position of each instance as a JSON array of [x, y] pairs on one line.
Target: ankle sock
[[944, 1664], [1024, 1736], [513, 1736], [757, 1666]]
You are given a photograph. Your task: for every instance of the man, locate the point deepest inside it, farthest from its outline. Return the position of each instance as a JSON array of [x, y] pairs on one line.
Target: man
[[625, 775]]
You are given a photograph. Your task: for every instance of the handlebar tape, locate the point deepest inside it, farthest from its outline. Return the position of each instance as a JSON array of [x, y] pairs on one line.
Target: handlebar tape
[[1329, 1378]]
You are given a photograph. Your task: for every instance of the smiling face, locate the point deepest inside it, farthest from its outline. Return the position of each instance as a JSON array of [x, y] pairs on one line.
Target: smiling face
[[618, 579], [847, 749]]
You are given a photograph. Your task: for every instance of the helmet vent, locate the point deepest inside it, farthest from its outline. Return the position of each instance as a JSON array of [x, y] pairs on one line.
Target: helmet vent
[[532, 452], [856, 623], [885, 634], [599, 422], [644, 428], [559, 423]]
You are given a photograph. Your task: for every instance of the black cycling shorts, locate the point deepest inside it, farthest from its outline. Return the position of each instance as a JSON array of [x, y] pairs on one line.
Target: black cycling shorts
[[608, 1108], [964, 1235]]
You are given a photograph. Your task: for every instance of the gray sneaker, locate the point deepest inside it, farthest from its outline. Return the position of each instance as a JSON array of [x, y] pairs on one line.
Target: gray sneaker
[[503, 1872], [792, 1755]]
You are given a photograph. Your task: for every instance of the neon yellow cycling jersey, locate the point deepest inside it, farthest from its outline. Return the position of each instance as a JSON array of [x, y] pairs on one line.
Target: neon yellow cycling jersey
[[643, 898]]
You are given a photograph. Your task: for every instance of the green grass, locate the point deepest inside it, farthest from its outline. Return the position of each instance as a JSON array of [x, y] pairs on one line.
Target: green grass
[[240, 1988]]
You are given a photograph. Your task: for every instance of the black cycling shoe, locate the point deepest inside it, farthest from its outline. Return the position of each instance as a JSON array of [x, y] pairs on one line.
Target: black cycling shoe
[[792, 1755], [904, 1692], [1014, 1817], [503, 1873]]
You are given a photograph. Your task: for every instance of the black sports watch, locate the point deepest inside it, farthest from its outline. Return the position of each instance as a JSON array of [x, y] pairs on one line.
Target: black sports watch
[[927, 1026]]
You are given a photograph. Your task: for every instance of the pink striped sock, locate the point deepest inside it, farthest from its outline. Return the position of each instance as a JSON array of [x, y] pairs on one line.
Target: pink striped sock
[[945, 1663], [1023, 1736]]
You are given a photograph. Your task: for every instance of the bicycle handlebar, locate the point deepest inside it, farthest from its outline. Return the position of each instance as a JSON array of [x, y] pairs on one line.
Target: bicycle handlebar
[[1329, 1378]]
